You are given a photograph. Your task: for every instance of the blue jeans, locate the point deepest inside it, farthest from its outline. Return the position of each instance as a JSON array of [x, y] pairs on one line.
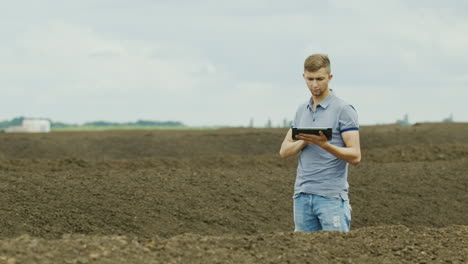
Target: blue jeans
[[314, 213]]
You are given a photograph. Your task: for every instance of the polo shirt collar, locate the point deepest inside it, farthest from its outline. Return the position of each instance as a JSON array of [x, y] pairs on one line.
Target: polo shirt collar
[[324, 104]]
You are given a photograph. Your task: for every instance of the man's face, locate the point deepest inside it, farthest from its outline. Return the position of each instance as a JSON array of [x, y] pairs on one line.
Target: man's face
[[317, 81]]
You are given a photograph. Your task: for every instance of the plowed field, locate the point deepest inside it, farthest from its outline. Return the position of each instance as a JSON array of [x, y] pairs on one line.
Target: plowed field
[[224, 196]]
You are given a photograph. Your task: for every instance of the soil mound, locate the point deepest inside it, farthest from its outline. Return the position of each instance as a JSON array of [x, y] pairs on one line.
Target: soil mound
[[384, 244]]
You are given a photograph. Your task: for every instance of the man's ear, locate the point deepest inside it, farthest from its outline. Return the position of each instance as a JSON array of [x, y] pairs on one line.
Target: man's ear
[[330, 76]]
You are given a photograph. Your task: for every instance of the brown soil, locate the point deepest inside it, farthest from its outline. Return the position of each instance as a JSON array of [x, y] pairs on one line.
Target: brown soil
[[224, 196]]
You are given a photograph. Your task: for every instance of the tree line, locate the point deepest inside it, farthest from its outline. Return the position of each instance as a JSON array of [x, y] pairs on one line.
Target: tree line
[[17, 121]]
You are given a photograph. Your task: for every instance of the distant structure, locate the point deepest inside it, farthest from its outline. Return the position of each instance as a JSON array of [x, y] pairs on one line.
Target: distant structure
[[269, 124], [404, 121], [287, 123], [448, 119], [30, 126]]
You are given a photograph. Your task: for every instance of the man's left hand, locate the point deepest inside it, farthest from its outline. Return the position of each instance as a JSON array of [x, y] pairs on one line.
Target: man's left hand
[[320, 141]]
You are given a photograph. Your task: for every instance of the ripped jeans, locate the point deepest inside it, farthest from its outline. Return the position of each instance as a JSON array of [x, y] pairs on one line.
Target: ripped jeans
[[314, 213]]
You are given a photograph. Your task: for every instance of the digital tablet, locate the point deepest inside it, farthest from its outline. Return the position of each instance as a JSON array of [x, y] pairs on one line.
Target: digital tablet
[[311, 130]]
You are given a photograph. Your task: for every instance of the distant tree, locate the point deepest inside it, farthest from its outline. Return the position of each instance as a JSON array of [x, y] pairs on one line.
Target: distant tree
[[17, 121], [269, 123], [156, 123], [138, 123], [59, 125], [101, 124]]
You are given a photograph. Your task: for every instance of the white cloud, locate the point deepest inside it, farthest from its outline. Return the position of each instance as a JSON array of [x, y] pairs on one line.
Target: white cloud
[[67, 64]]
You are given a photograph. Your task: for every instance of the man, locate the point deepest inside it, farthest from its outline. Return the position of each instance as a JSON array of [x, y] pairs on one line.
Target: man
[[321, 190]]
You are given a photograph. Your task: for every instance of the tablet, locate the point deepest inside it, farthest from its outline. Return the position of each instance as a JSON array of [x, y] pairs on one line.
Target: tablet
[[311, 130]]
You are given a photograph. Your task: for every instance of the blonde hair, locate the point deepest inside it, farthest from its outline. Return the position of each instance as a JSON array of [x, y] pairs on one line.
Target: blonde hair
[[315, 62]]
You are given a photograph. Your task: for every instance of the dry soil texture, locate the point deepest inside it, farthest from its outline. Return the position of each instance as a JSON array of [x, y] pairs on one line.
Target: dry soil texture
[[224, 196]]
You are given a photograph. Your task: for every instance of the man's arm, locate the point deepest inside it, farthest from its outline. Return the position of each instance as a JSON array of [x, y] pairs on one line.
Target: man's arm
[[291, 147], [350, 153]]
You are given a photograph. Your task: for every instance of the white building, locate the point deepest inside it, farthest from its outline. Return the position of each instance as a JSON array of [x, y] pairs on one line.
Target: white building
[[31, 126]]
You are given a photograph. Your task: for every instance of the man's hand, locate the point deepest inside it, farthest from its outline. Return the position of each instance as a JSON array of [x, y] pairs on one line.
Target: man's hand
[[320, 141], [351, 153], [290, 147]]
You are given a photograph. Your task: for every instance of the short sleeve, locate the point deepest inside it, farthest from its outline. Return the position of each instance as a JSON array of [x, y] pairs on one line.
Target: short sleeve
[[348, 119], [294, 122], [297, 118]]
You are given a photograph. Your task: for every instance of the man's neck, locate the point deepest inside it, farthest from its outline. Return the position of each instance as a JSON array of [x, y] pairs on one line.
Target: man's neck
[[318, 99]]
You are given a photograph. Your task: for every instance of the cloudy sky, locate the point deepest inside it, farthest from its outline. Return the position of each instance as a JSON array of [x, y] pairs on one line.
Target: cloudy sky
[[221, 62]]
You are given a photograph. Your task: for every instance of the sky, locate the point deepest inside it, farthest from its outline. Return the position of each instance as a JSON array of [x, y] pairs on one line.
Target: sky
[[210, 63]]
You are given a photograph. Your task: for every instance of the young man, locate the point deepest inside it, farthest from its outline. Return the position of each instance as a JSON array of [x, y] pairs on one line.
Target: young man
[[321, 189]]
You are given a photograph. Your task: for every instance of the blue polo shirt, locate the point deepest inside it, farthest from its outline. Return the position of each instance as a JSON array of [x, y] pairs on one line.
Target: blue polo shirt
[[319, 172]]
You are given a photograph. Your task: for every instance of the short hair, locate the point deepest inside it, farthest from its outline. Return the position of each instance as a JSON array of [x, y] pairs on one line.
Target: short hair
[[315, 62]]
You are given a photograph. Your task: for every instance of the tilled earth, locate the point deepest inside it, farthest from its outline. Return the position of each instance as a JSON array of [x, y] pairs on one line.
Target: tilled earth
[[224, 196]]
